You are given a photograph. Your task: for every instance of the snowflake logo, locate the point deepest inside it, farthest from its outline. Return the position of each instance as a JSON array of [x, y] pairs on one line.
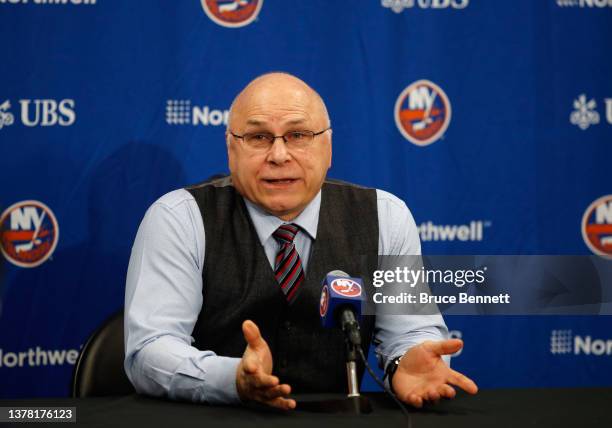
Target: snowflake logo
[[584, 114], [397, 5], [6, 117]]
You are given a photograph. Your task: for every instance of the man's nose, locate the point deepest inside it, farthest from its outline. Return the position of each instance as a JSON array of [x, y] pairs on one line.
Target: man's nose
[[278, 152]]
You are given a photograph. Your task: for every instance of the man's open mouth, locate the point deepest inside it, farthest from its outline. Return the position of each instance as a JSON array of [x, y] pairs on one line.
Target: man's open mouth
[[280, 180]]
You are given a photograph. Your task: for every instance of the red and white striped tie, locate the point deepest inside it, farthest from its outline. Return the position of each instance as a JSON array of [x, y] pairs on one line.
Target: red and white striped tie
[[288, 266]]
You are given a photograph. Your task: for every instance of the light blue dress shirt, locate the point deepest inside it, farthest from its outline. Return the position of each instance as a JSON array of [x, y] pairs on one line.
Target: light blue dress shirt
[[163, 296]]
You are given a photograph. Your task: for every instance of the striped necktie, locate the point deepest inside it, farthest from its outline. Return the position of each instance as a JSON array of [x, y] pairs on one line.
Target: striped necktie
[[288, 266]]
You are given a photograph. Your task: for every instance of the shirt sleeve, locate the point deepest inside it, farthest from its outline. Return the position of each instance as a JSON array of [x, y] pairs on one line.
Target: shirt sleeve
[[162, 302], [395, 334]]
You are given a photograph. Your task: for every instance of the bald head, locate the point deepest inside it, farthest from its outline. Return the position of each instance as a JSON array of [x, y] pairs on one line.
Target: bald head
[[275, 89]]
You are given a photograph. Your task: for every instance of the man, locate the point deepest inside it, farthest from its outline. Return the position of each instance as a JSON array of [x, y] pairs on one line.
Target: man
[[223, 265]]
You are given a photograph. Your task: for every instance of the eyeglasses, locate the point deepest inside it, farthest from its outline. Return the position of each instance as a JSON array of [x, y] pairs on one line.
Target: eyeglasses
[[263, 141]]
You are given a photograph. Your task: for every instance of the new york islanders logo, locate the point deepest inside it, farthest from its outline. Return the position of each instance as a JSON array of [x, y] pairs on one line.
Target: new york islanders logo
[[28, 233], [232, 13], [324, 303], [597, 226], [422, 112], [346, 287]]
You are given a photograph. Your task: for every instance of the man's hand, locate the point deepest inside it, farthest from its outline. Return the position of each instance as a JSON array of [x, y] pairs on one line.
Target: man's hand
[[254, 379], [423, 375]]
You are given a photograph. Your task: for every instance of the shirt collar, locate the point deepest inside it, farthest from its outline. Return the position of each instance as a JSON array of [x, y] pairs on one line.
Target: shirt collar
[[266, 223]]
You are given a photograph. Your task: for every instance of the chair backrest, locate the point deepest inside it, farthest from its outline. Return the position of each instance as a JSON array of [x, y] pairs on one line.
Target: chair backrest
[[99, 368]]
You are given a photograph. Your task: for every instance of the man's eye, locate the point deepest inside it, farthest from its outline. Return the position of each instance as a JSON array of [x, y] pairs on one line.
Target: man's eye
[[259, 138], [296, 135]]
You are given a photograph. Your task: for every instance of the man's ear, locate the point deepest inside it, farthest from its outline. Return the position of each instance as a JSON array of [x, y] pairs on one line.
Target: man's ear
[[229, 150], [331, 151], [228, 145]]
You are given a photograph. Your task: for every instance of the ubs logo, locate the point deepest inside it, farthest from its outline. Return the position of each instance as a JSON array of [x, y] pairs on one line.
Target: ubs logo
[[398, 6], [28, 233], [6, 117], [39, 112], [585, 111]]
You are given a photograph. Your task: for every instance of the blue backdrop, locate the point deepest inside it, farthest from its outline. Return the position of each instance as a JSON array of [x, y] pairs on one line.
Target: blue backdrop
[[490, 114]]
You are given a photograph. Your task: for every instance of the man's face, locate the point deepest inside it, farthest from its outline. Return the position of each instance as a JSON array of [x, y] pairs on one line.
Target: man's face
[[280, 180]]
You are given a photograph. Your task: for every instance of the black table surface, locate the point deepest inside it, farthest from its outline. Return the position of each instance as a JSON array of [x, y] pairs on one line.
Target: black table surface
[[566, 407]]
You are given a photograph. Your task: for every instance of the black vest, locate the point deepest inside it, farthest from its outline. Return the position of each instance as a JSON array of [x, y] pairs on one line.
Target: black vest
[[239, 283]]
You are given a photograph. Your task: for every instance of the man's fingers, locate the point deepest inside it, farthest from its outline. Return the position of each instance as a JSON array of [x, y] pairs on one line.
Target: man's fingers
[[259, 379], [250, 363], [275, 391], [463, 382], [265, 388], [445, 347], [414, 400], [265, 381], [447, 391], [433, 395], [282, 403], [252, 334]]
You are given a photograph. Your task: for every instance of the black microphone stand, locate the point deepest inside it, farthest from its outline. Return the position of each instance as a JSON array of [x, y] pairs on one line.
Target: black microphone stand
[[354, 403], [351, 370]]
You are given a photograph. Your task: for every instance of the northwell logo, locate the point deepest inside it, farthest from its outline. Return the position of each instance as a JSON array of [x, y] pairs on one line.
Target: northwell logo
[[39, 112], [181, 112], [36, 357], [585, 112], [473, 231], [563, 342], [51, 2], [398, 6], [584, 3]]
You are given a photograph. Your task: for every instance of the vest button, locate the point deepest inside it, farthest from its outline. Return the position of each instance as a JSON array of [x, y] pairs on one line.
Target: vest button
[[288, 325]]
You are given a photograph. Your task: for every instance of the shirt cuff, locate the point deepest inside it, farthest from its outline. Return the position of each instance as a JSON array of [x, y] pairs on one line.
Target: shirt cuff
[[212, 379], [220, 380]]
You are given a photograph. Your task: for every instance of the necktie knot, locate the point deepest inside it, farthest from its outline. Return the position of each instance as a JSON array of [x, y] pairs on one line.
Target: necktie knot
[[285, 234]]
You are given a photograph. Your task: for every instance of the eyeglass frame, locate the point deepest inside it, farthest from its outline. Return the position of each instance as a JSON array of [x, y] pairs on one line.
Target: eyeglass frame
[[274, 137]]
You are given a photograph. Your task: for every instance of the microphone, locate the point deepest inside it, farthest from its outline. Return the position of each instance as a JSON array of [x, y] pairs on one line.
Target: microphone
[[340, 305]]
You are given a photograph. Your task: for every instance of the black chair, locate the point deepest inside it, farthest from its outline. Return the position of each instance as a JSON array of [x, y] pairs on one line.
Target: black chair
[[99, 369]]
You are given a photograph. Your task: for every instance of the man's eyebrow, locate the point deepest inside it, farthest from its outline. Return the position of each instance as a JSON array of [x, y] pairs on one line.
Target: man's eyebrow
[[296, 122], [256, 122]]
